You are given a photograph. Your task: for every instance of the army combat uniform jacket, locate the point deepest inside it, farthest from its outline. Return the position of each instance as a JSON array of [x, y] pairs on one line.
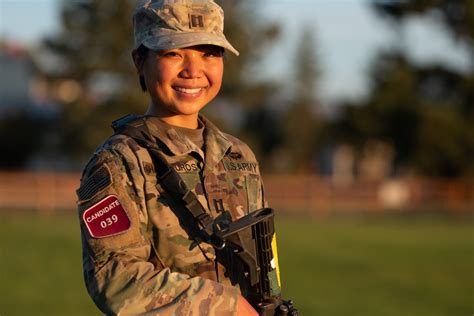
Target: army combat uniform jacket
[[138, 257]]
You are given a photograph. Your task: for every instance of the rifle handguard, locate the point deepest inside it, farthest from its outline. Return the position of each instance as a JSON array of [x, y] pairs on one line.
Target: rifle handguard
[[244, 222]]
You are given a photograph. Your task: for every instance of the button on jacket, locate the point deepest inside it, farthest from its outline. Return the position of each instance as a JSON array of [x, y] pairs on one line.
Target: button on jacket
[[137, 254]]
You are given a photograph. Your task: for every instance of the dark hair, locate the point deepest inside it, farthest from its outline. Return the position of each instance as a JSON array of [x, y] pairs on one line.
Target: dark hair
[[142, 52]]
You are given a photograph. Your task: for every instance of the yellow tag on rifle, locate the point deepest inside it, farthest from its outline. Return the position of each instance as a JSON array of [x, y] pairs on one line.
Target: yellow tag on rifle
[[275, 259]]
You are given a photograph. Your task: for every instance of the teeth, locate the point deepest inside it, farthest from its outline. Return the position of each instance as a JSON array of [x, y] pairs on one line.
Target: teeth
[[189, 91]]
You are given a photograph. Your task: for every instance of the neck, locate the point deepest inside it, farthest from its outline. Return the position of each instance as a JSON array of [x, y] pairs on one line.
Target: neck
[[180, 120]]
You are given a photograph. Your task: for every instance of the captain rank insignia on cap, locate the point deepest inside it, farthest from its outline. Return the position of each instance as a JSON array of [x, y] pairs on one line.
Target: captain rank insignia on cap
[[196, 21]]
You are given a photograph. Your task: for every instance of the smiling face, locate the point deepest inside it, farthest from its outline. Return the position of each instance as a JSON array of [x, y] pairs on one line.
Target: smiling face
[[181, 81]]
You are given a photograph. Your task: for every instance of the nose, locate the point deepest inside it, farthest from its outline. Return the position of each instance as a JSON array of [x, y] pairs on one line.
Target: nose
[[192, 66]]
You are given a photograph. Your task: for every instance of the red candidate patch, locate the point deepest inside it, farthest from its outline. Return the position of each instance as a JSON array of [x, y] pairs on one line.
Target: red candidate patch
[[106, 218]]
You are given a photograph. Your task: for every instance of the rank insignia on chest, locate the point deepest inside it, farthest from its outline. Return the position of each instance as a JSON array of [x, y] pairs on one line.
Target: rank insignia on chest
[[106, 218]]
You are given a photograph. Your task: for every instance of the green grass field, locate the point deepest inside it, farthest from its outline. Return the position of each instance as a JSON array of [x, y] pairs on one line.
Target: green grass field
[[354, 266]]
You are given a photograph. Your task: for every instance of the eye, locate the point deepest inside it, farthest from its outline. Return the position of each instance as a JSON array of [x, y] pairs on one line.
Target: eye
[[170, 53], [213, 53], [210, 54]]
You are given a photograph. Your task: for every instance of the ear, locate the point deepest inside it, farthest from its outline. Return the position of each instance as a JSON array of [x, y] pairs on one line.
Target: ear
[[138, 60]]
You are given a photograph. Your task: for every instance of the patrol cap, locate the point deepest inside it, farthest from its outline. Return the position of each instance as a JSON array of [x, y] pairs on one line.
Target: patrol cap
[[168, 24]]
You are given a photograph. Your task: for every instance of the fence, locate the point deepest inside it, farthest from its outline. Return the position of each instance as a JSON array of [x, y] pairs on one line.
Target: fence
[[44, 192], [322, 196], [47, 193]]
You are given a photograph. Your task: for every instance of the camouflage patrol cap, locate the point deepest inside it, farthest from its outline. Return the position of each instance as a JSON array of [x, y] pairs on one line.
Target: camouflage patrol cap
[[168, 24]]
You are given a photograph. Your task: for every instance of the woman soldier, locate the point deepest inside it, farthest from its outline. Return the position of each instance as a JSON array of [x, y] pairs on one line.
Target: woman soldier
[[138, 255]]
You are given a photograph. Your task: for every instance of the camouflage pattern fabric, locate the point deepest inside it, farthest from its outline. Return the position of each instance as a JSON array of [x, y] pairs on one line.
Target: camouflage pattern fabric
[[154, 267], [169, 24]]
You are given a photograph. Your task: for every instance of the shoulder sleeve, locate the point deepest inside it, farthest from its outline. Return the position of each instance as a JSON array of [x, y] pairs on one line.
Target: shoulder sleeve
[[116, 248]]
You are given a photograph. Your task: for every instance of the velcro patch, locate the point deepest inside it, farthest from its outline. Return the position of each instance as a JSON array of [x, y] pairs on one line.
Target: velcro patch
[[99, 180], [106, 218]]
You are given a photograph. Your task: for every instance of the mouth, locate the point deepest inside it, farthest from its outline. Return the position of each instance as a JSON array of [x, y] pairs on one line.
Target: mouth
[[189, 91]]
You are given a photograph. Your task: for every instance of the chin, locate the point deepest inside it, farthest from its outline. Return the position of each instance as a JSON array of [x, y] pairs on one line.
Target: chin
[[189, 110]]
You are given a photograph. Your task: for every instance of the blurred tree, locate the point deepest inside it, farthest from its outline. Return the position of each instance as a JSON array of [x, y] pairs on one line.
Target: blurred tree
[[287, 133], [458, 18], [306, 68], [252, 36], [301, 123], [424, 112], [21, 135], [94, 51], [420, 112], [457, 15]]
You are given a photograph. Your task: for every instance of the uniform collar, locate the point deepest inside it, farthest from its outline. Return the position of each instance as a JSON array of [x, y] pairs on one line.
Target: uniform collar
[[216, 144]]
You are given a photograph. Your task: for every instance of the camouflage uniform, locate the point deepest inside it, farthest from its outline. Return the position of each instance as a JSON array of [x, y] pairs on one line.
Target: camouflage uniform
[[154, 267]]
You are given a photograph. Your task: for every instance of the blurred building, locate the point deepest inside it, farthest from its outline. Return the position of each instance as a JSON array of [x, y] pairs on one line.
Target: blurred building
[[28, 112], [16, 77], [21, 89]]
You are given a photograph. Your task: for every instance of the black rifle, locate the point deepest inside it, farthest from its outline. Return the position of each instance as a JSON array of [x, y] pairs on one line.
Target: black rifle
[[250, 238]]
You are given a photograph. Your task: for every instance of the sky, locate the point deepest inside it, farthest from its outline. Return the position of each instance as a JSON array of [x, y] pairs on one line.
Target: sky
[[347, 32]]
